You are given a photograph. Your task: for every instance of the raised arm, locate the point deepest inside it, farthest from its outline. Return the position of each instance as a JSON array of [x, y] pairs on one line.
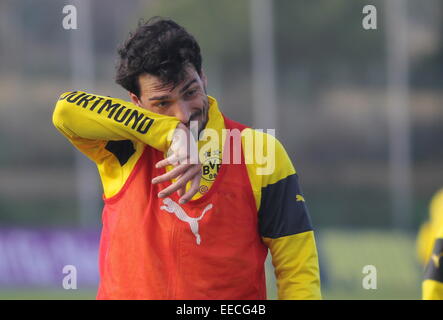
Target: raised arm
[[88, 120], [97, 124]]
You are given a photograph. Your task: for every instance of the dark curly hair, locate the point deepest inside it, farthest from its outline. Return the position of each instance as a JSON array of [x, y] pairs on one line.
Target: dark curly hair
[[159, 47]]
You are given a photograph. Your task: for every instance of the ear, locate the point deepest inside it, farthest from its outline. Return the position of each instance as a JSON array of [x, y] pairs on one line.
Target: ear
[[134, 99]]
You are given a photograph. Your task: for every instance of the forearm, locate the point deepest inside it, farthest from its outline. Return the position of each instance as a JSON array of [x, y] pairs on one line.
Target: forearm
[[296, 266], [93, 117]]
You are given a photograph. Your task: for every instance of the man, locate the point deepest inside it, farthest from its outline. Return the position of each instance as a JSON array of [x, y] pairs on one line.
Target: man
[[430, 250], [166, 240]]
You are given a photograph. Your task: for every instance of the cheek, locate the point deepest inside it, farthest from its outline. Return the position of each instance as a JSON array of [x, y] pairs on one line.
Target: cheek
[[200, 101], [144, 104], [149, 107], [163, 111], [194, 105]]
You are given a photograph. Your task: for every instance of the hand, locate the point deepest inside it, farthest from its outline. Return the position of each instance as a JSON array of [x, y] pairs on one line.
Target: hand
[[183, 155]]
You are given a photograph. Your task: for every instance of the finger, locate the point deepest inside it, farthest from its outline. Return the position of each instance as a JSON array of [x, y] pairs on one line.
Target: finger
[[166, 162], [176, 172], [181, 191], [172, 160], [181, 182], [195, 184]]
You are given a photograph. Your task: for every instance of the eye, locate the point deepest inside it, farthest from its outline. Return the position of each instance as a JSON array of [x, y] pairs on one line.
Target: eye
[[191, 92], [162, 104]]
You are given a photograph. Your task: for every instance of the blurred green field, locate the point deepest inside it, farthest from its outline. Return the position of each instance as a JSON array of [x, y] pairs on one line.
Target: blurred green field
[[47, 294], [393, 253], [343, 255]]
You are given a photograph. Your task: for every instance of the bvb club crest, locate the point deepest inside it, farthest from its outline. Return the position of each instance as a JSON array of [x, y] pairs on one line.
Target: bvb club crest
[[210, 168]]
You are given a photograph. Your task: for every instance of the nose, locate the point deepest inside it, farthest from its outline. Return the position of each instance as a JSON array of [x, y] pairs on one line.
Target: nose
[[183, 112]]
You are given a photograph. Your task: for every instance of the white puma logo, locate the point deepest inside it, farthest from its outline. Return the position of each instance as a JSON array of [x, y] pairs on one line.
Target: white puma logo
[[172, 207]]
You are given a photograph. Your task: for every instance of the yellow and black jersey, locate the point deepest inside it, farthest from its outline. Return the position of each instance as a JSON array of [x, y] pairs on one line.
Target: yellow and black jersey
[[113, 133], [430, 249], [429, 230], [433, 279]]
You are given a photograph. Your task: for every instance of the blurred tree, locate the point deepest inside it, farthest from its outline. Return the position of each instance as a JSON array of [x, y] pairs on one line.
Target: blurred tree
[[325, 41], [221, 27]]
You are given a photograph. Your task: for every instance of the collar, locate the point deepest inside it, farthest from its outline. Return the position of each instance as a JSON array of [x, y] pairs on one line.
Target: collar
[[216, 123], [215, 120]]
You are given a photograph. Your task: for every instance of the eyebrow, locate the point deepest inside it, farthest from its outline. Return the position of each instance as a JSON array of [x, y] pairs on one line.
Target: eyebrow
[[160, 98], [167, 97], [188, 85]]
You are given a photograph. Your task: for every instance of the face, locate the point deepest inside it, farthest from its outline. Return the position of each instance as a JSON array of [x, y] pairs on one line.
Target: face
[[187, 101]]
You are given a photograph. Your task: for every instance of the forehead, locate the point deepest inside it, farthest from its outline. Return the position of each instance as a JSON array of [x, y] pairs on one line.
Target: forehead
[[150, 84]]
